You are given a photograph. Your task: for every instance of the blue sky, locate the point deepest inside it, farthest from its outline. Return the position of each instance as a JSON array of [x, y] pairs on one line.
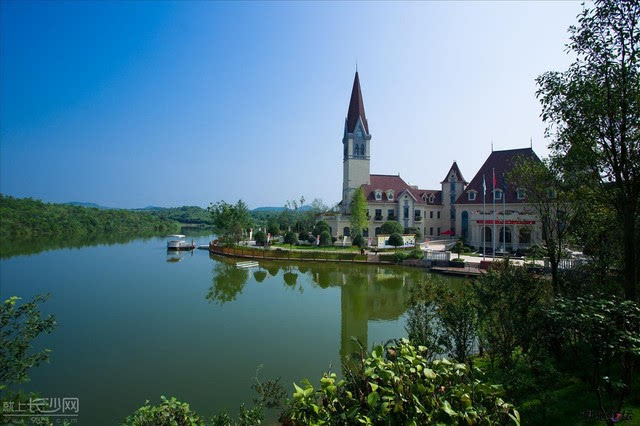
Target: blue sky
[[129, 104]]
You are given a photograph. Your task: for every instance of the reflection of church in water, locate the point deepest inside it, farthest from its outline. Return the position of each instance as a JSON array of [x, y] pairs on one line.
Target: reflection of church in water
[[367, 292]]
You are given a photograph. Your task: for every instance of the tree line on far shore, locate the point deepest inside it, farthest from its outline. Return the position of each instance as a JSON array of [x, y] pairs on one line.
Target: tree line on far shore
[[29, 218]]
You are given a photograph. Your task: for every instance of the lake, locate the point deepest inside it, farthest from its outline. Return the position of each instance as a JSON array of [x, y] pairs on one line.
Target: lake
[[135, 322]]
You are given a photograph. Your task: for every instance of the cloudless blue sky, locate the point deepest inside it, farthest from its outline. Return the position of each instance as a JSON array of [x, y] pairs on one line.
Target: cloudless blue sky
[[136, 103]]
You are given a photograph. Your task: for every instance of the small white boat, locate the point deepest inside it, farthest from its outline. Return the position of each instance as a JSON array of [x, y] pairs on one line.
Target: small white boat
[[247, 265], [178, 242]]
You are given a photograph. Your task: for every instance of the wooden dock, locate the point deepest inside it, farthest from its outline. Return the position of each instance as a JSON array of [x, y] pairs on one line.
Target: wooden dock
[[467, 271]]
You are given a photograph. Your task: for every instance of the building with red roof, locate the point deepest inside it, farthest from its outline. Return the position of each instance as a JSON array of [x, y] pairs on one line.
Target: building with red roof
[[450, 210]]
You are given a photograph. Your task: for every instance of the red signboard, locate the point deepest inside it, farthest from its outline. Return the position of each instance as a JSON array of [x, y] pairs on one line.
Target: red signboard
[[508, 222]]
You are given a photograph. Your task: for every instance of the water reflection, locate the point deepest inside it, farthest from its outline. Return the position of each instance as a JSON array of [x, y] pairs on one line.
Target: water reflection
[[28, 246], [228, 281], [367, 292]]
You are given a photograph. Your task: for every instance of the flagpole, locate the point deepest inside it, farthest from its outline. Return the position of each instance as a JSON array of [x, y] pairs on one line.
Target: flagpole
[[484, 215], [504, 213], [493, 239]]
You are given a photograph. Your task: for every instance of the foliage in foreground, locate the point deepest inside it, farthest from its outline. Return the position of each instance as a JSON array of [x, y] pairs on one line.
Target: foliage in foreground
[[20, 324], [394, 384], [397, 384]]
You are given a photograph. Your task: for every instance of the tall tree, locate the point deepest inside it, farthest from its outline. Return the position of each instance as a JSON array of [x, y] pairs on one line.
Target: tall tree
[[593, 114], [359, 219], [553, 198], [230, 221]]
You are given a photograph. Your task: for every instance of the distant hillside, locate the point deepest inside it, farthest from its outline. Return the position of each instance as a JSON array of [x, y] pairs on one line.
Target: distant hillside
[[277, 209], [26, 217], [192, 215], [89, 205]]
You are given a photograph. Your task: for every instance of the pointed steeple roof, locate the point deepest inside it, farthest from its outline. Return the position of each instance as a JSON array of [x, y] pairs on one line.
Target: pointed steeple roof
[[456, 170], [356, 108]]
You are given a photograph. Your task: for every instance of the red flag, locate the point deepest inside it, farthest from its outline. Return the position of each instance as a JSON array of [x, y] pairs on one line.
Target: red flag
[[494, 178]]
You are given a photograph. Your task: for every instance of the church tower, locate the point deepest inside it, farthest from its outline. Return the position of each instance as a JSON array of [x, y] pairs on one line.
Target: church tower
[[356, 148]]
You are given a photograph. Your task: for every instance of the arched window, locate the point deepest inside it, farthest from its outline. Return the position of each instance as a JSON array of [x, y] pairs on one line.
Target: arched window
[[357, 150], [487, 234], [525, 236], [377, 231], [505, 232], [362, 149], [465, 225], [346, 231]]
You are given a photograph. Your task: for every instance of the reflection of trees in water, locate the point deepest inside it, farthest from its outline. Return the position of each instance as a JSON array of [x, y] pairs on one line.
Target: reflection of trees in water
[[21, 246], [228, 281], [273, 269], [260, 275]]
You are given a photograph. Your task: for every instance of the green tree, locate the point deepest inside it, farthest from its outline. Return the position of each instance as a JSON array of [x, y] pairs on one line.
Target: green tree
[[458, 248], [290, 238], [395, 240], [358, 218], [273, 228], [593, 114], [358, 240], [303, 236], [320, 227], [325, 238], [391, 227], [553, 197], [260, 237], [510, 301], [230, 221]]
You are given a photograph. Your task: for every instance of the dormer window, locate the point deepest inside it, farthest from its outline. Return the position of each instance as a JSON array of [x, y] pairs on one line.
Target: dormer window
[[471, 195], [378, 195], [431, 198], [390, 195], [521, 193], [497, 194]]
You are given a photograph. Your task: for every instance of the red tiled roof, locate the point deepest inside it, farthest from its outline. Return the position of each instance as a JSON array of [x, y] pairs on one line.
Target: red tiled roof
[[398, 185], [457, 171], [501, 162], [356, 107]]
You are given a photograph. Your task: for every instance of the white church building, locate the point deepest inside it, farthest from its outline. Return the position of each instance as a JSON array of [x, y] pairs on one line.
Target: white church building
[[452, 210]]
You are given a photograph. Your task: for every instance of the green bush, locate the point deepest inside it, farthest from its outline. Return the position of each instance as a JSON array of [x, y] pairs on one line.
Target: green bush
[[325, 238], [358, 240], [397, 385], [260, 238], [391, 227], [290, 238], [395, 240], [311, 239], [303, 236], [320, 227], [169, 412]]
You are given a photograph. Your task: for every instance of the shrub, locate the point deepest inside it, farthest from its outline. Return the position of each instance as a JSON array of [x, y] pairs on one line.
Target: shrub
[[303, 236], [510, 302], [395, 240], [414, 230], [325, 238], [168, 412], [260, 237], [290, 238], [311, 239], [457, 260], [391, 227], [334, 239], [397, 385], [319, 228], [358, 240]]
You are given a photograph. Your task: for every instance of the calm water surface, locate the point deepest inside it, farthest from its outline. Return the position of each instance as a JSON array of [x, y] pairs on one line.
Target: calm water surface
[[135, 323]]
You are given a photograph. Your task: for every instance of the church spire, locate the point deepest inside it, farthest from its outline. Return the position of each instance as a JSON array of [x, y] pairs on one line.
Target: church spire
[[356, 107]]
